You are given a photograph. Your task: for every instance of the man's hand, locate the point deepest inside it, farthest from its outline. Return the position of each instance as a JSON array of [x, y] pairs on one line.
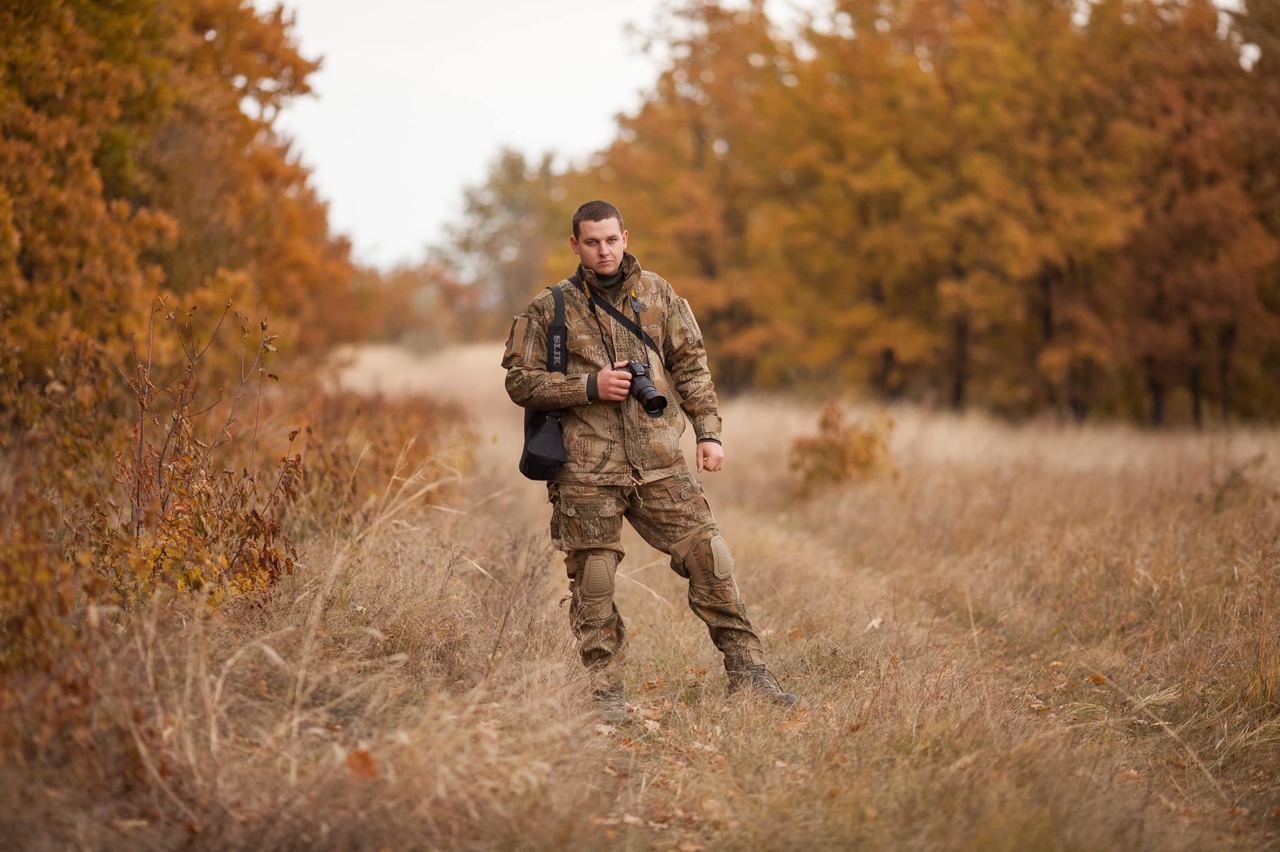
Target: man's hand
[[710, 456], [613, 385]]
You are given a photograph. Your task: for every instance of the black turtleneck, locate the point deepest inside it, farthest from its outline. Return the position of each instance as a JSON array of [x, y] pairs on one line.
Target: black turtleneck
[[612, 284]]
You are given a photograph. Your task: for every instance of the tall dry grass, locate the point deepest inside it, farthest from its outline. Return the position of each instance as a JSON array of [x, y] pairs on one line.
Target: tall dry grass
[[1029, 637]]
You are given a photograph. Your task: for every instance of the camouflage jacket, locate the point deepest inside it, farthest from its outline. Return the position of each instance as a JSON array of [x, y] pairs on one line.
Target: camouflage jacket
[[615, 443]]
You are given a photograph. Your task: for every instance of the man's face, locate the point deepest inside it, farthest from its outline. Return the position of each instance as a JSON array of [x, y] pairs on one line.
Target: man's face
[[599, 245]]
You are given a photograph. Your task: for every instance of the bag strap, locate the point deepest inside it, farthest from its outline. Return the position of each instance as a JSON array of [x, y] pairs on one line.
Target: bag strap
[[630, 325], [557, 334]]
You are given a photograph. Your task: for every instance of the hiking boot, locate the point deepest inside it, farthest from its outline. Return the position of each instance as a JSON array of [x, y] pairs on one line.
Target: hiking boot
[[757, 679], [611, 704]]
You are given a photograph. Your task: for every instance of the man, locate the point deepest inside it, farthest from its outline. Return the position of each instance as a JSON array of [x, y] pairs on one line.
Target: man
[[622, 462]]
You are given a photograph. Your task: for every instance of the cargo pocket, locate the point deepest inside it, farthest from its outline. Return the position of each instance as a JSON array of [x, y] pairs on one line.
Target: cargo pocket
[[589, 518], [686, 509], [681, 492]]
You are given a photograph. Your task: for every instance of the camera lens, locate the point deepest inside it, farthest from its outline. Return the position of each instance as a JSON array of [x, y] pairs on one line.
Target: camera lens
[[653, 402]]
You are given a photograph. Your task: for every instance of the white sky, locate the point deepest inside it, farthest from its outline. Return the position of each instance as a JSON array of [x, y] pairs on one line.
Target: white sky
[[416, 97]]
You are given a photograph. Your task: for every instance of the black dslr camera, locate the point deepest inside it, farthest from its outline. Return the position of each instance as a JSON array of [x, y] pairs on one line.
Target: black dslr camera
[[643, 390]]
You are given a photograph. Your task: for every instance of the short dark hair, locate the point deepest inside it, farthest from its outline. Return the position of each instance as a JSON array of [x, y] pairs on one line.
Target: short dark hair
[[595, 211]]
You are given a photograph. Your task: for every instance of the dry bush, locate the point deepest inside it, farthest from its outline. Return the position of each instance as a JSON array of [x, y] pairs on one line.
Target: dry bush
[[842, 451], [189, 520], [177, 479], [51, 431], [357, 447]]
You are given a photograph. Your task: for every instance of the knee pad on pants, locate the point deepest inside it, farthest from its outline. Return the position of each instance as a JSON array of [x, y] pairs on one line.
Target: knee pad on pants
[[704, 557], [594, 577]]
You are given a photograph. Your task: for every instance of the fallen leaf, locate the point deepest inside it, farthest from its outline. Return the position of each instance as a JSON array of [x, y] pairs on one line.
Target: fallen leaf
[[361, 764]]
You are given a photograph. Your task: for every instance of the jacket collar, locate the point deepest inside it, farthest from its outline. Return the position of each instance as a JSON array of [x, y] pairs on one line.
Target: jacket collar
[[630, 275]]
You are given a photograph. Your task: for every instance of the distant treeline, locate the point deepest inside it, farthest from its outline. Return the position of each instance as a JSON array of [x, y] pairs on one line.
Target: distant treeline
[[1025, 205]]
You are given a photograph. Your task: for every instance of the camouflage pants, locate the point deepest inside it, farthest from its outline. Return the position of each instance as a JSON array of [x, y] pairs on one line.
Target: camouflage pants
[[670, 514]]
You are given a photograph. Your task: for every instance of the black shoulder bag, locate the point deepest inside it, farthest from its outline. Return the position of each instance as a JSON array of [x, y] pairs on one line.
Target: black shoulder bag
[[544, 452]]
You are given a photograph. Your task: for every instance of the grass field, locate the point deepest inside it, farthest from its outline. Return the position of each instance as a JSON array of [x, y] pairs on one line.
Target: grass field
[[1036, 637]]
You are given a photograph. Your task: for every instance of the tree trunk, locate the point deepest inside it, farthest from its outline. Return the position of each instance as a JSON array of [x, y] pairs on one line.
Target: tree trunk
[[1155, 387], [1226, 345], [1077, 391], [1043, 310], [885, 380], [959, 360], [1045, 281], [1193, 380]]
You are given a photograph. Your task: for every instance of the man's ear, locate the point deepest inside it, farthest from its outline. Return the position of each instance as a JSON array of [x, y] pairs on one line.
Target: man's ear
[[573, 243]]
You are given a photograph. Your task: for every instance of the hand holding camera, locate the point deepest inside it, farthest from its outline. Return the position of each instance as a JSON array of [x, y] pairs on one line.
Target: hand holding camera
[[613, 385], [631, 378]]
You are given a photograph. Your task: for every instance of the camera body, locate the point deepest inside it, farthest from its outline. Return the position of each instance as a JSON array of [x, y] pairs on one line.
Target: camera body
[[642, 388]]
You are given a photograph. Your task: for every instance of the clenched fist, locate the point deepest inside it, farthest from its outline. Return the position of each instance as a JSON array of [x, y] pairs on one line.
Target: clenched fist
[[710, 456]]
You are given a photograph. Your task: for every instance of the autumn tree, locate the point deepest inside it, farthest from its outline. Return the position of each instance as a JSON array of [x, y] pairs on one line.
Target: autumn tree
[[1256, 28], [689, 167], [1018, 204], [507, 234], [73, 93], [1192, 269], [130, 167], [423, 306]]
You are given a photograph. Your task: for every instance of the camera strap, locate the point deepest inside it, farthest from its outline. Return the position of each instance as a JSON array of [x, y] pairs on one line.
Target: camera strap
[[557, 335], [625, 321]]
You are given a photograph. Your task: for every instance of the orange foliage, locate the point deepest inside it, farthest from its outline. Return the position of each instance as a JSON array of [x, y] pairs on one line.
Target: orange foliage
[[1010, 204]]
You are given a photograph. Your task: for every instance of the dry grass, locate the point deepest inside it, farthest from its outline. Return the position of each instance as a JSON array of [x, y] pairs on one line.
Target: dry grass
[[1036, 637]]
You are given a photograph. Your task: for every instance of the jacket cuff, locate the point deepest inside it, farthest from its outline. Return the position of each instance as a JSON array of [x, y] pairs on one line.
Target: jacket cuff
[[581, 382], [707, 427], [593, 392], [710, 440]]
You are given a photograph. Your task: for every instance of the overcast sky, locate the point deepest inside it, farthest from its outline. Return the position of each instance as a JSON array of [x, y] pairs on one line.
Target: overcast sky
[[416, 97]]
